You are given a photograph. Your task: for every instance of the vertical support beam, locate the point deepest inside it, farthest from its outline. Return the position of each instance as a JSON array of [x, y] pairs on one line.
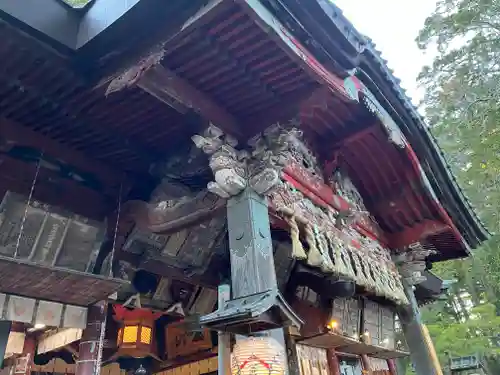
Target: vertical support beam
[[392, 367], [420, 352], [4, 338], [90, 351], [291, 355], [29, 350], [224, 350], [365, 361], [251, 248], [333, 362]]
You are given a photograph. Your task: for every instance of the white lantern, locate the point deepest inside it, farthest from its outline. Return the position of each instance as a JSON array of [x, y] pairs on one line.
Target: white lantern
[[258, 356]]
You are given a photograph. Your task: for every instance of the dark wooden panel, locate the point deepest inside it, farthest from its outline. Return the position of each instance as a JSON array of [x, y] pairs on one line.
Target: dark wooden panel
[[327, 340], [54, 284]]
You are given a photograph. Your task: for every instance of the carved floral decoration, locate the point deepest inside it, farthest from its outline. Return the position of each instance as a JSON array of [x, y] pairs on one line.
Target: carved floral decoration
[[274, 151], [345, 252], [411, 263]]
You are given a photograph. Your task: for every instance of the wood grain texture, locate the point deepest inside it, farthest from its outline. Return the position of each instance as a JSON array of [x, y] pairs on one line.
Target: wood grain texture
[[251, 249], [54, 284]]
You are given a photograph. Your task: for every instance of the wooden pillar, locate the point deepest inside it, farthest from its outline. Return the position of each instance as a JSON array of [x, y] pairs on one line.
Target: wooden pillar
[[25, 361], [4, 338], [291, 355], [392, 367], [90, 351], [420, 352], [333, 362], [224, 346], [251, 248], [365, 361]]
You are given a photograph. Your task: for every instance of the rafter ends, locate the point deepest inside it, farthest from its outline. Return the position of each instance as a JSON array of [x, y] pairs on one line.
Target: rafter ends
[[132, 75]]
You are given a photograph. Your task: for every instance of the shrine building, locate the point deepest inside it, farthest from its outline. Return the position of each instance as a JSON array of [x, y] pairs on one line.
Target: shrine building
[[231, 186]]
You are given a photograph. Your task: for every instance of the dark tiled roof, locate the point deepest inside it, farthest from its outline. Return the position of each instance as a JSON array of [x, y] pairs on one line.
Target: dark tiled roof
[[423, 127], [362, 51]]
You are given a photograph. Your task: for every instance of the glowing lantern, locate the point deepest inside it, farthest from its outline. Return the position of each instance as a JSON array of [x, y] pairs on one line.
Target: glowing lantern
[[136, 332], [258, 355]]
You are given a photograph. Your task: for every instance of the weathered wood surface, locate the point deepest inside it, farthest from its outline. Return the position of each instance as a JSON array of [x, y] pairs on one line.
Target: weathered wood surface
[[251, 249], [167, 217], [48, 236], [54, 284]]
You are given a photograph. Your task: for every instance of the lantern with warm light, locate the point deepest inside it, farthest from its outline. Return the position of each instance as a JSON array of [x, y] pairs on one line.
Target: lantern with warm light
[[136, 332], [258, 356]]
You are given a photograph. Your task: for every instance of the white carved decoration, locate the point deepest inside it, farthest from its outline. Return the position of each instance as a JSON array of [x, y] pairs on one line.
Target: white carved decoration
[[227, 163], [411, 263], [234, 169]]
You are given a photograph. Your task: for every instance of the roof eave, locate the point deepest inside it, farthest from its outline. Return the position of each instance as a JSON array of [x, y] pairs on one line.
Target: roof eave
[[387, 89]]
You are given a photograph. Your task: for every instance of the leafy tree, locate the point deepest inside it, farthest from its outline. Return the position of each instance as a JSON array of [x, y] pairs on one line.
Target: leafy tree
[[77, 3], [462, 103], [463, 106]]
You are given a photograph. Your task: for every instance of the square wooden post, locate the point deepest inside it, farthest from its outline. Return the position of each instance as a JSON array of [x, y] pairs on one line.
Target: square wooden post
[[90, 351], [420, 352], [224, 346], [251, 248], [4, 338], [26, 359], [333, 362]]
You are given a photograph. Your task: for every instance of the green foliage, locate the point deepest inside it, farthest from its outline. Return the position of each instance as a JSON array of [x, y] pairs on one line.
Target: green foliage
[[77, 3], [472, 336], [462, 103]]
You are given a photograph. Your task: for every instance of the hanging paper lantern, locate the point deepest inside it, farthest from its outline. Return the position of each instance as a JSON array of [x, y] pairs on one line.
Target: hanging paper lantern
[[258, 355]]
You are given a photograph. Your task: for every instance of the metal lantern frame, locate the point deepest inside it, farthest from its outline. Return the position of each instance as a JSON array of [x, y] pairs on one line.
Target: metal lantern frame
[[136, 334]]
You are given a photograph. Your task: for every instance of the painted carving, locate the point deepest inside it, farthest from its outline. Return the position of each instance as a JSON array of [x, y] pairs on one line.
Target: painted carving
[[132, 75], [279, 147], [227, 163], [343, 252], [353, 86], [271, 151], [344, 187], [411, 263]]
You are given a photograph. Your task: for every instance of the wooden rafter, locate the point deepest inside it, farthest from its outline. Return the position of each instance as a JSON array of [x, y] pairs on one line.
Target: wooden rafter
[[167, 86], [17, 134]]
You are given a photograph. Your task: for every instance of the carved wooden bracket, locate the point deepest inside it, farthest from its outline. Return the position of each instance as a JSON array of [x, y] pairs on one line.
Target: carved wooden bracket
[[260, 168]]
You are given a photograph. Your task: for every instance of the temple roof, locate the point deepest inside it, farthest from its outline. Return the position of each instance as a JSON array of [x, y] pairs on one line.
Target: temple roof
[[228, 67], [336, 38]]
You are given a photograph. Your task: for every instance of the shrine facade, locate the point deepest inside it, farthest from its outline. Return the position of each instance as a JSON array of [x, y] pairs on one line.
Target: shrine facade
[[214, 186]]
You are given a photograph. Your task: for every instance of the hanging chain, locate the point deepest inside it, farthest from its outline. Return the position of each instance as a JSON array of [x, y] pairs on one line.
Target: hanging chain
[[116, 229], [30, 196], [102, 335]]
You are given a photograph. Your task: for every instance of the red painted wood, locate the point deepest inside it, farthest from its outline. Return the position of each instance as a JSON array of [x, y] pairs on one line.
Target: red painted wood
[[333, 362], [416, 232], [444, 215], [366, 364], [392, 367], [324, 197], [90, 351], [29, 351]]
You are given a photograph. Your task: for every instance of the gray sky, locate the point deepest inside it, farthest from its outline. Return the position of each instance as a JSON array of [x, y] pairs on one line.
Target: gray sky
[[393, 26]]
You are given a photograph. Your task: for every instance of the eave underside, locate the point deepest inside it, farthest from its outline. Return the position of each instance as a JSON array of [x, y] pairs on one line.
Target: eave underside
[[235, 70]]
